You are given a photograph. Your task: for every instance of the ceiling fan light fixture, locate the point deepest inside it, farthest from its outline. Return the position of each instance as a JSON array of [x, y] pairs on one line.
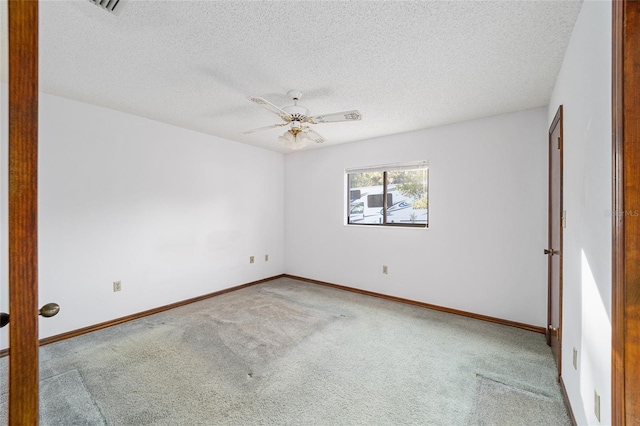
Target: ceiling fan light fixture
[[295, 142], [302, 136]]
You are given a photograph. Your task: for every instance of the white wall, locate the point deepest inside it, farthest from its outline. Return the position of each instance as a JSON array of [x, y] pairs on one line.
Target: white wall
[[584, 88], [170, 212], [482, 252]]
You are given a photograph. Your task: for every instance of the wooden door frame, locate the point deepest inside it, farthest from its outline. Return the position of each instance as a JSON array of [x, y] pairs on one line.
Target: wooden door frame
[[625, 354], [557, 121], [23, 211]]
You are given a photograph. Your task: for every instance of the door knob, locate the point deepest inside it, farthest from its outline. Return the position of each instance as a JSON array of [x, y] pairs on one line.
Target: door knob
[[47, 311], [552, 328], [4, 319]]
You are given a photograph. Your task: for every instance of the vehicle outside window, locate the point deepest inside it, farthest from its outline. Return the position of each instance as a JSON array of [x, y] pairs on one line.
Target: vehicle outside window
[[405, 203], [356, 214]]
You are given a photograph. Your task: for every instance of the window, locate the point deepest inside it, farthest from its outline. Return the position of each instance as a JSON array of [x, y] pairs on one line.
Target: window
[[394, 195]]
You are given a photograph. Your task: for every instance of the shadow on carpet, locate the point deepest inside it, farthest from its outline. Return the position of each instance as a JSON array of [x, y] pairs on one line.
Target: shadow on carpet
[[65, 401], [498, 404]]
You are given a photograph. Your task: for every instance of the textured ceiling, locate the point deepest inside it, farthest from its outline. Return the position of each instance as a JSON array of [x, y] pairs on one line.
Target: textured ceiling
[[403, 65]]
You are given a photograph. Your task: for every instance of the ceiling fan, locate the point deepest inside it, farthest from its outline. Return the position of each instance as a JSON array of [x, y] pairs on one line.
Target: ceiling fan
[[298, 119]]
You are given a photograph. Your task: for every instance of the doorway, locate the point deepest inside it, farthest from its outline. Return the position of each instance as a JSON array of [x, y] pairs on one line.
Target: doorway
[[554, 246]]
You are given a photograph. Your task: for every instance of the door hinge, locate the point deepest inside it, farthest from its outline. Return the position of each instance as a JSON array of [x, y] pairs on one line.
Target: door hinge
[[559, 142], [564, 218]]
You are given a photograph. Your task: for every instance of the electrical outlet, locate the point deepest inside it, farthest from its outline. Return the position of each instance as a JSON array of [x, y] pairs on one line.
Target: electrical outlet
[[385, 269], [117, 286], [266, 257], [596, 404], [251, 259], [575, 358]]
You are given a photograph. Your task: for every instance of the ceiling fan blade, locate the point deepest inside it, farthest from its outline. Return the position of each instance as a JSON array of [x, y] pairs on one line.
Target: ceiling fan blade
[[337, 116], [271, 107], [315, 136], [264, 128]]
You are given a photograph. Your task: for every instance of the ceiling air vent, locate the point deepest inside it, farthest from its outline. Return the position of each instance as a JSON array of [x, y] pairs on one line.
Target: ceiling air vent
[[113, 6]]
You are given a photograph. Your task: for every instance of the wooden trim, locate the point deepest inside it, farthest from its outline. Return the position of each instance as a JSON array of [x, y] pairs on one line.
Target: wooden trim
[[625, 363], [561, 262], [617, 264], [117, 321], [558, 120], [567, 403], [23, 211], [486, 318]]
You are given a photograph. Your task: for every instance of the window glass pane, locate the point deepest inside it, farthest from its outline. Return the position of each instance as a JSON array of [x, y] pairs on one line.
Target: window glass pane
[[361, 210], [406, 197], [410, 203], [375, 200]]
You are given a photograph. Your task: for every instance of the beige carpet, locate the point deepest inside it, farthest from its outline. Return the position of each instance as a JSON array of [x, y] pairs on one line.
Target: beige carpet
[[292, 353], [498, 404]]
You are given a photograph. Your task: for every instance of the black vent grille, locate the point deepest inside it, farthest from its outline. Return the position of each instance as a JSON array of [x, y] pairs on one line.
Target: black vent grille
[[113, 6]]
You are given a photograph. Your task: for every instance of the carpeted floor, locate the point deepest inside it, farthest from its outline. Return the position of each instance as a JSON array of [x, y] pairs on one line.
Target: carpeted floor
[[292, 353]]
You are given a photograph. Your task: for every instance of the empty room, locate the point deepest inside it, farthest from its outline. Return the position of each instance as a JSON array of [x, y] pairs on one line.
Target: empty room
[[319, 213]]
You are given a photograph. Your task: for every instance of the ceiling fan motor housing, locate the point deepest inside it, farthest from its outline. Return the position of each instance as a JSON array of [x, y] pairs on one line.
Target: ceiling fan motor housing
[[299, 113]]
